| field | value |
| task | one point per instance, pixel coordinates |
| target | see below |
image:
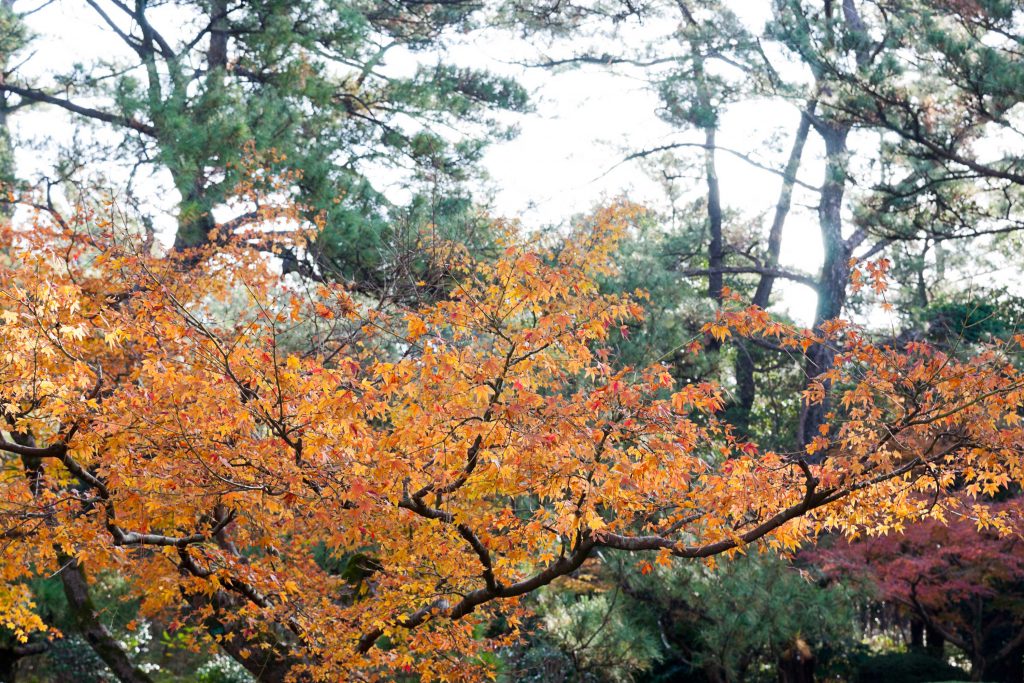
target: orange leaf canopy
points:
(233, 442)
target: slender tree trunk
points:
(796, 664)
(746, 385)
(935, 643)
(265, 656)
(1006, 664)
(76, 589)
(977, 668)
(196, 221)
(979, 661)
(715, 244)
(217, 57)
(762, 295)
(922, 286)
(916, 635)
(835, 274)
(746, 389)
(7, 167)
(6, 161)
(714, 674)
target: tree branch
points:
(45, 98)
(755, 270)
(560, 567)
(700, 145)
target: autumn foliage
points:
(234, 442)
(963, 584)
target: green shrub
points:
(904, 667)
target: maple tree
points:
(962, 584)
(328, 486)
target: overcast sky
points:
(568, 155)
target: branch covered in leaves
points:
(237, 455)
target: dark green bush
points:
(904, 667)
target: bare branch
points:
(42, 97)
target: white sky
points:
(567, 157)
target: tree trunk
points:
(746, 385)
(12, 654)
(977, 668)
(916, 635)
(796, 664)
(715, 247)
(714, 674)
(835, 273)
(7, 167)
(195, 220)
(217, 57)
(762, 295)
(265, 656)
(746, 390)
(934, 642)
(8, 665)
(76, 589)
(1013, 669)
(267, 665)
(6, 161)
(1007, 665)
